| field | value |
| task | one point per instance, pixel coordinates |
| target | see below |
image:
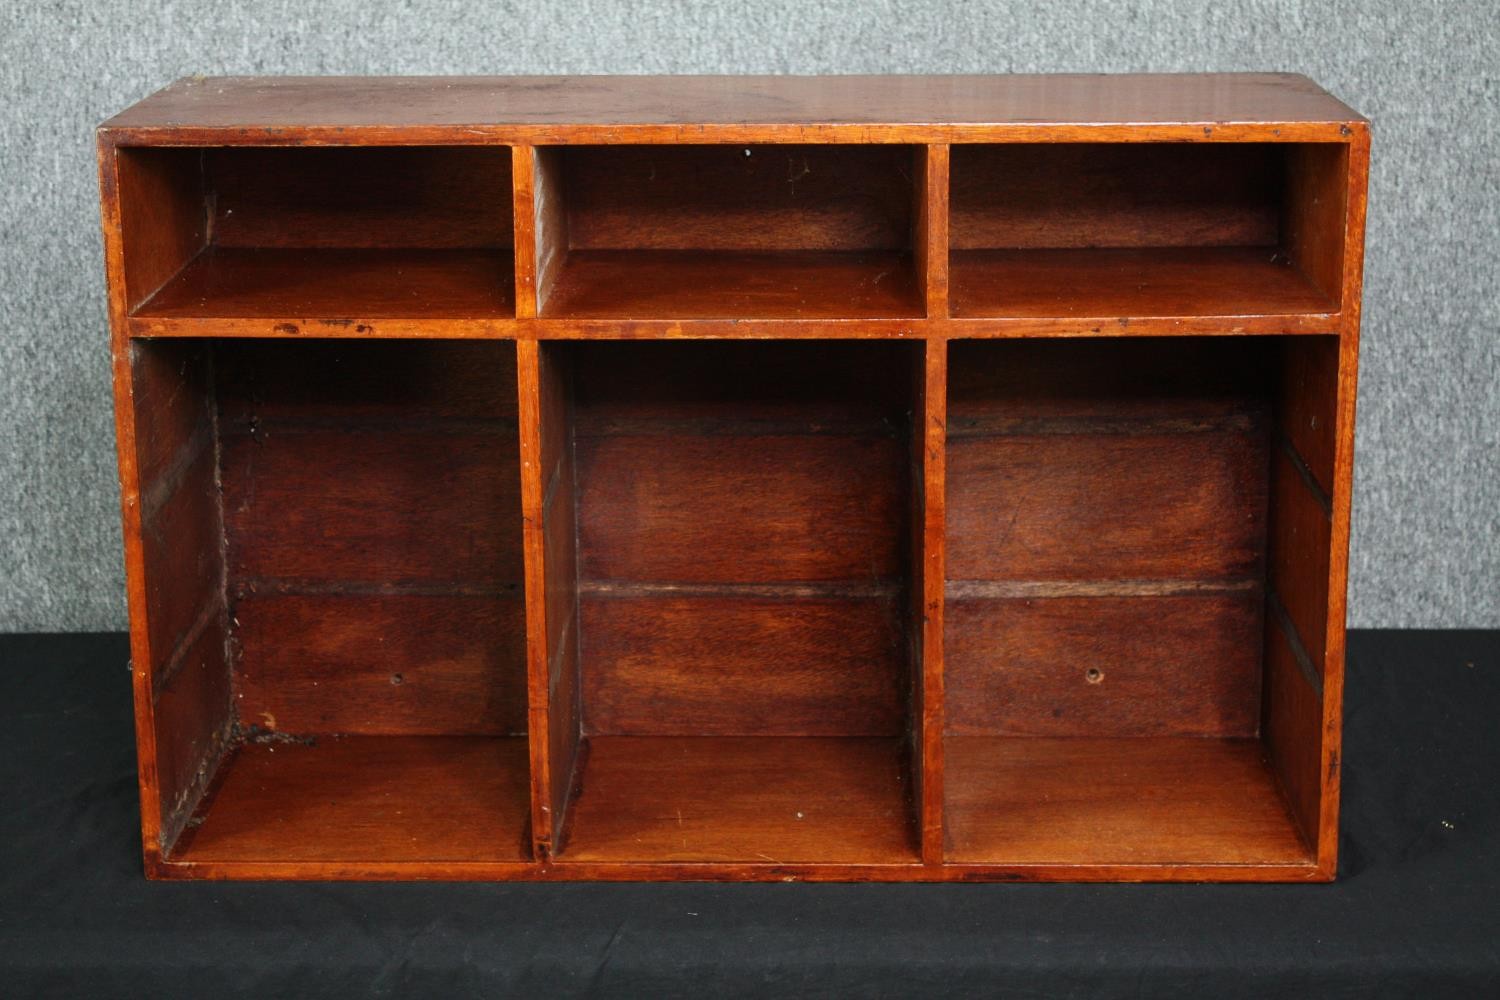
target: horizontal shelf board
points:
(749, 799)
(720, 284)
(332, 293)
(367, 799)
(1132, 801)
(1249, 289)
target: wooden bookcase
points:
(737, 478)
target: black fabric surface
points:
(1416, 911)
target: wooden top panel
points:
(731, 108)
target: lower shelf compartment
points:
(1033, 800)
(759, 799)
(366, 799)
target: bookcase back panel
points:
(742, 514)
(717, 666)
(431, 197)
(739, 197)
(372, 512)
(1115, 195)
(1092, 666)
(1107, 511)
(381, 663)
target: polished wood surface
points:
(350, 799)
(696, 799)
(727, 108)
(767, 478)
(1116, 801)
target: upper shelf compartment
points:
(402, 241)
(718, 232)
(1149, 237)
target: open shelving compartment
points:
(277, 241)
(333, 584)
(1107, 234)
(728, 540)
(1137, 592)
(730, 232)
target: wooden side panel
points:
(412, 196)
(183, 540)
(1105, 666)
(182, 549)
(550, 221)
(715, 666)
(1299, 555)
(1292, 722)
(1307, 406)
(735, 197)
(194, 720)
(1031, 195)
(163, 216)
(1313, 217)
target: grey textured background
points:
(1426, 549)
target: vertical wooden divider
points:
(930, 490)
(533, 544)
(1343, 480)
(549, 522)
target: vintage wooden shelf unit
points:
(737, 478)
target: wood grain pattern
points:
(1045, 195)
(787, 508)
(1126, 507)
(1299, 552)
(744, 667)
(162, 218)
(381, 665)
(372, 386)
(449, 197)
(193, 724)
(347, 800)
(1108, 290)
(755, 799)
(182, 541)
(317, 293)
(1307, 404)
(1193, 107)
(1292, 721)
(691, 285)
(928, 561)
(1105, 666)
(739, 197)
(397, 507)
(1314, 212)
(1117, 802)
